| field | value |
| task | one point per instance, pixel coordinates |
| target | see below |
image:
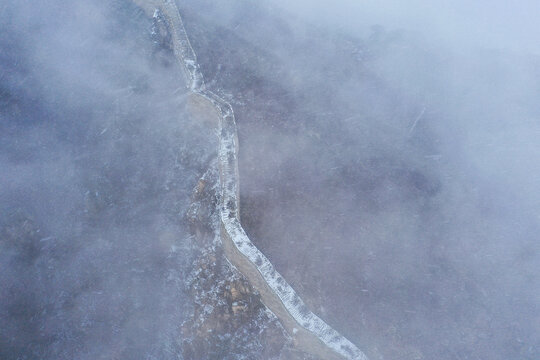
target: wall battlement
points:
(310, 333)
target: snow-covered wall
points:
(310, 332)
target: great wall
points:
(310, 333)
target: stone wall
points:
(310, 333)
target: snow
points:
(227, 158)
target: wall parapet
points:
(310, 332)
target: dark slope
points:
(356, 181)
(97, 165)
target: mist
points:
(388, 164)
(489, 24)
(388, 169)
(98, 161)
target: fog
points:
(388, 169)
(98, 160)
(388, 164)
(495, 24)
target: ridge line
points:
(231, 227)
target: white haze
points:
(389, 165)
(497, 24)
